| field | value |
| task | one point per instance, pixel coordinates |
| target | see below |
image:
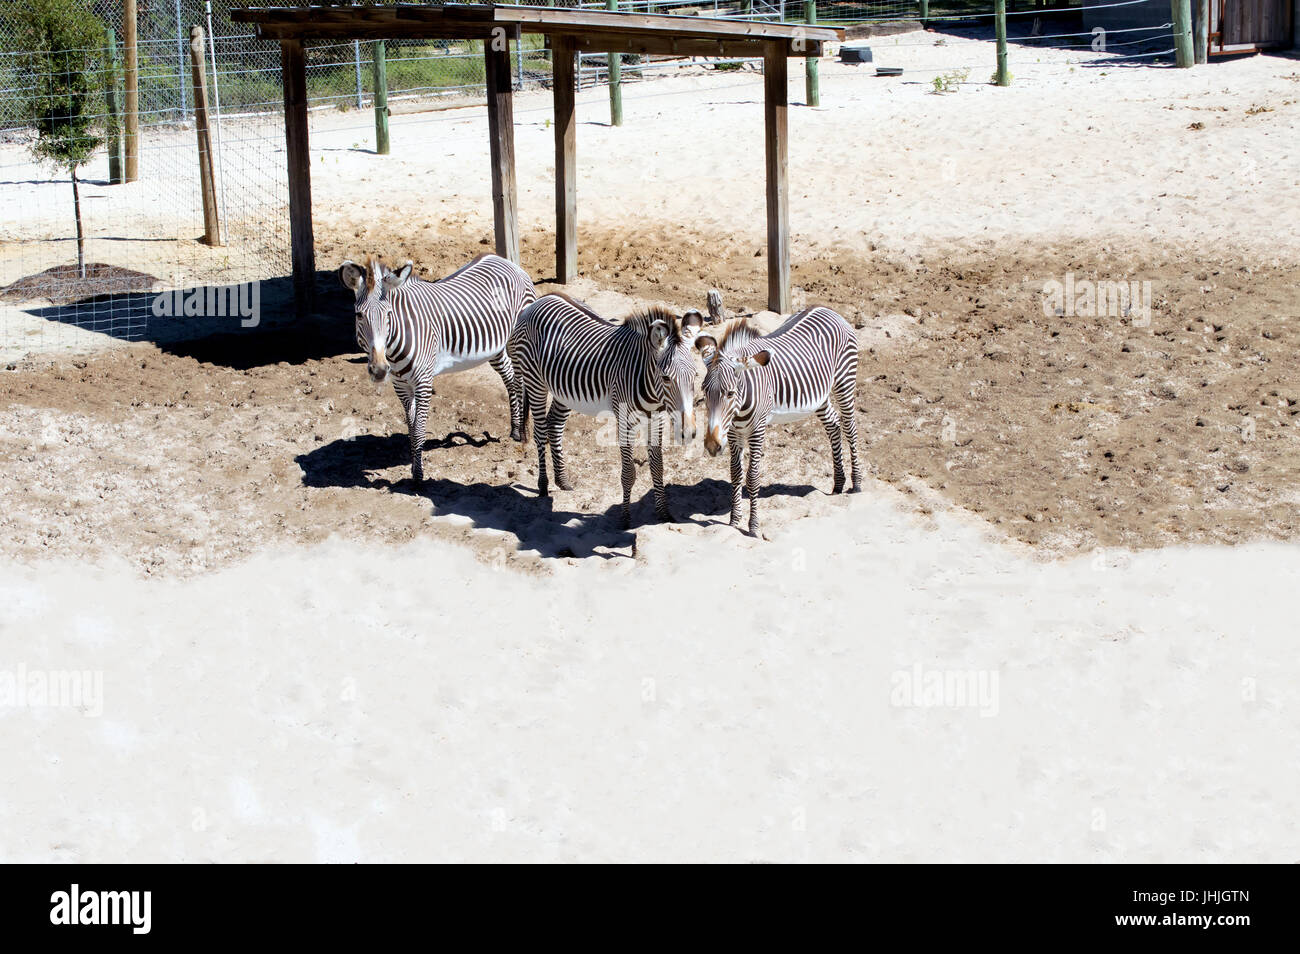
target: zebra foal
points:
(642, 369)
(413, 330)
(809, 365)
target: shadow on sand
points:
(539, 524)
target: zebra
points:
(638, 370)
(414, 330)
(809, 365)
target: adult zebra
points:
(642, 369)
(809, 365)
(414, 330)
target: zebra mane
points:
(374, 266)
(641, 320)
(735, 334)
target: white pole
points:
(216, 103)
(356, 58)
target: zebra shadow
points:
(541, 524)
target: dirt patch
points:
(1062, 431)
(64, 284)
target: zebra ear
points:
(659, 332)
(756, 360)
(352, 276)
(395, 280)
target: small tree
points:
(64, 43)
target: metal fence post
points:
(811, 65)
(1001, 77)
(116, 158)
(615, 61)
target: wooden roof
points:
(591, 29)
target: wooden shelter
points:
(567, 32)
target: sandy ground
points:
(305, 657)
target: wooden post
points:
(615, 62)
(1202, 37)
(812, 66)
(114, 105)
(1001, 77)
(381, 98)
(775, 107)
(207, 182)
(293, 68)
(501, 136)
(1182, 16)
(566, 167)
(132, 126)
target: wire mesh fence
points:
(98, 256)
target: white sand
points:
(722, 699)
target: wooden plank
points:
(293, 68)
(563, 59)
(453, 20)
(775, 109)
(648, 45)
(578, 22)
(501, 137)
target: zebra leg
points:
(556, 418)
(831, 421)
(737, 478)
(849, 425)
(503, 366)
(655, 451)
(417, 417)
(755, 460)
(537, 403)
(625, 435)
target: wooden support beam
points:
(380, 69)
(563, 57)
(131, 134)
(775, 109)
(293, 68)
(501, 136)
(207, 181)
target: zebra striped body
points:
(807, 366)
(641, 370)
(414, 330)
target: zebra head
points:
(373, 285)
(724, 375)
(670, 339)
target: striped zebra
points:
(414, 330)
(809, 365)
(640, 370)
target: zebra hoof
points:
(856, 488)
(563, 484)
(837, 488)
(665, 516)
